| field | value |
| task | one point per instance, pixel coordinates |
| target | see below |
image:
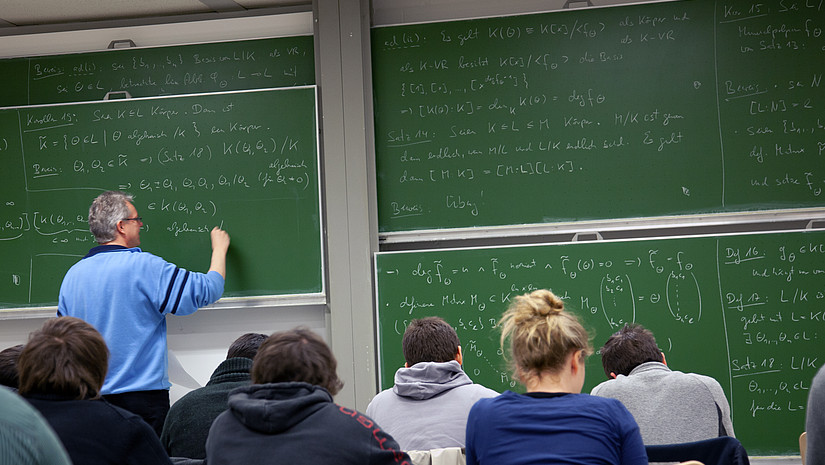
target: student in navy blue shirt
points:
(553, 422)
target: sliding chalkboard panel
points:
(154, 71)
(192, 162)
(745, 309)
(671, 108)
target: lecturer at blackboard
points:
(126, 293)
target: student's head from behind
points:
(542, 335)
(246, 346)
(8, 366)
(430, 339)
(66, 356)
(628, 348)
(297, 355)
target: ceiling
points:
(27, 14)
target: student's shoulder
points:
(608, 405)
(476, 391)
(609, 387)
(505, 400)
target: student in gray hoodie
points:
(428, 406)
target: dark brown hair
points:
(628, 348)
(8, 366)
(66, 356)
(296, 355)
(542, 334)
(429, 339)
(246, 345)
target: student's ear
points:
(663, 358)
(612, 375)
(406, 365)
(577, 361)
(459, 357)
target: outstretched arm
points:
(220, 244)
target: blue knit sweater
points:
(125, 294)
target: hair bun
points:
(545, 303)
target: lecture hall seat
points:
(445, 456)
(723, 450)
(803, 445)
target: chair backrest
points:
(186, 461)
(723, 450)
(803, 445)
(445, 456)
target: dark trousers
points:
(152, 406)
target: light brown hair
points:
(66, 356)
(296, 355)
(541, 333)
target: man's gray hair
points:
(106, 210)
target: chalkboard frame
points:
(643, 224)
(225, 303)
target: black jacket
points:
(293, 423)
(189, 419)
(96, 432)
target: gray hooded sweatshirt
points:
(428, 406)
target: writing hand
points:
(220, 239)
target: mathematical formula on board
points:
(192, 163)
(155, 71)
(746, 309)
(685, 107)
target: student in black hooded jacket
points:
(288, 415)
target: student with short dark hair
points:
(628, 348)
(552, 422)
(429, 339)
(288, 415)
(9, 376)
(669, 406)
(187, 424)
(427, 407)
(62, 369)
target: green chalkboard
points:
(246, 161)
(154, 71)
(669, 108)
(745, 309)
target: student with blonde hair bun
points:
(552, 422)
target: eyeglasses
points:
(137, 218)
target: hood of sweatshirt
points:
(425, 380)
(274, 408)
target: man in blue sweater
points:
(126, 293)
